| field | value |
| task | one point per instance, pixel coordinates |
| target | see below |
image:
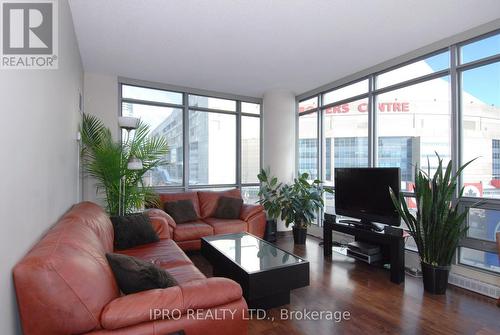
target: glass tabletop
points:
(251, 253)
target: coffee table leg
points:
(270, 301)
(327, 238)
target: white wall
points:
(40, 114)
(279, 120)
(101, 100)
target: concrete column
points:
(101, 100)
(279, 136)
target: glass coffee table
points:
(265, 272)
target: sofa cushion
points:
(226, 226)
(228, 208)
(248, 210)
(161, 226)
(197, 294)
(193, 196)
(133, 230)
(52, 280)
(190, 245)
(164, 253)
(156, 212)
(181, 210)
(134, 275)
(208, 200)
(192, 231)
(186, 273)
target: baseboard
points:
(474, 285)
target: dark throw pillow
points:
(181, 211)
(134, 275)
(228, 208)
(133, 230)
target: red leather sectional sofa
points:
(187, 235)
(64, 284)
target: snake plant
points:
(438, 224)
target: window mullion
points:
(372, 124)
(456, 116)
(238, 144)
(185, 139)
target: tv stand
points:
(392, 245)
(363, 224)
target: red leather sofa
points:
(187, 235)
(64, 285)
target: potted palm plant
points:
(300, 203)
(106, 160)
(438, 224)
(268, 194)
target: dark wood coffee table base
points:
(270, 301)
(262, 289)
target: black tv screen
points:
(363, 193)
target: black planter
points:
(270, 233)
(435, 278)
(299, 235)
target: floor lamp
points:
(127, 123)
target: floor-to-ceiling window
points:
(308, 158)
(479, 93)
(414, 123)
(214, 142)
(446, 102)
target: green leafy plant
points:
(300, 201)
(106, 160)
(269, 193)
(438, 225)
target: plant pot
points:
(435, 278)
(299, 235)
(270, 233)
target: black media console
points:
(392, 244)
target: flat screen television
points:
(363, 193)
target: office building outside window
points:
(217, 154)
(345, 128)
(446, 102)
(495, 157)
(308, 144)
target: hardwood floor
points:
(376, 305)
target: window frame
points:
(319, 133)
(454, 71)
(185, 126)
(472, 242)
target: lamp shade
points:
(128, 122)
(134, 164)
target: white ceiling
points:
(250, 46)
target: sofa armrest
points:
(161, 213)
(256, 224)
(139, 307)
(161, 227)
(247, 211)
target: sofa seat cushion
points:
(164, 253)
(186, 273)
(192, 231)
(226, 226)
